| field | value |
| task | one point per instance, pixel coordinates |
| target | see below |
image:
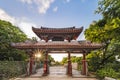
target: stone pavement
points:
(57, 73)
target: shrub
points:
(79, 67)
(107, 71)
(12, 68)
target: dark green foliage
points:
(12, 68)
(74, 59)
(109, 8)
(109, 70)
(105, 31)
(51, 59)
(93, 61)
(8, 35)
(64, 60)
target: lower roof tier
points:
(77, 46)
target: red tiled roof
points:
(57, 45)
(66, 33)
(57, 30)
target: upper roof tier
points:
(57, 34)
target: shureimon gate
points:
(57, 40)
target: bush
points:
(79, 67)
(93, 61)
(107, 71)
(12, 68)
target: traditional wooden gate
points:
(58, 40)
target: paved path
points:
(57, 73)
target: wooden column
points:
(69, 72)
(45, 66)
(30, 65)
(84, 65)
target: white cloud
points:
(55, 9)
(26, 26)
(43, 5)
(22, 23)
(6, 17)
(27, 1)
(67, 1)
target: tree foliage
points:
(105, 31)
(51, 59)
(74, 59)
(109, 8)
(9, 34)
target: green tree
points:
(64, 60)
(9, 34)
(106, 31)
(109, 8)
(74, 59)
(51, 59)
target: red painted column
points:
(69, 65)
(84, 65)
(30, 65)
(45, 66)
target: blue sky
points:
(49, 13)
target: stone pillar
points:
(69, 70)
(84, 65)
(45, 66)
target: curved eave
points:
(57, 30)
(57, 46)
(74, 32)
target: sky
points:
(49, 13)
